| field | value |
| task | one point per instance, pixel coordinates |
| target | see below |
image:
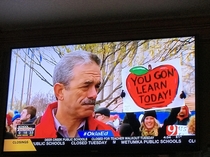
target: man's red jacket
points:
(46, 128)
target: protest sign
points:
(152, 86)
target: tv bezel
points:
(82, 37)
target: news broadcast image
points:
(146, 96)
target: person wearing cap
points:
(76, 82)
(16, 118)
(103, 115)
(15, 121)
(149, 124)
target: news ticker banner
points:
(25, 130)
(176, 134)
(21, 145)
(171, 130)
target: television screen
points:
(140, 95)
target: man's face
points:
(182, 112)
(24, 115)
(78, 99)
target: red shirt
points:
(46, 128)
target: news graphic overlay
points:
(25, 130)
(174, 130)
(101, 133)
(18, 145)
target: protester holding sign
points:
(183, 116)
(150, 125)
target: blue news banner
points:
(106, 138)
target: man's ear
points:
(28, 116)
(58, 90)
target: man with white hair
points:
(76, 81)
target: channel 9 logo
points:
(173, 130)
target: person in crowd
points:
(149, 124)
(125, 130)
(8, 126)
(183, 116)
(76, 82)
(191, 125)
(178, 116)
(9, 116)
(15, 121)
(103, 115)
(28, 115)
(8, 129)
(116, 120)
(130, 125)
(8, 135)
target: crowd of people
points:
(76, 87)
(148, 124)
(26, 116)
